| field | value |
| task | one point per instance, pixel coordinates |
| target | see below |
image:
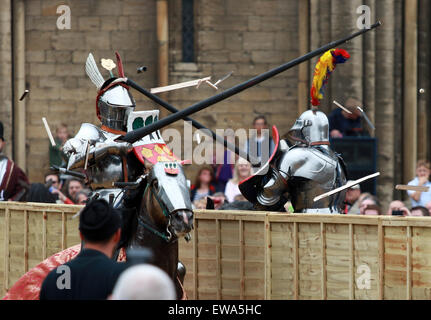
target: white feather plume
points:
(93, 71)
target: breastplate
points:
(311, 173)
(105, 172)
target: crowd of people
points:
(418, 204)
(56, 188)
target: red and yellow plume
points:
(324, 67)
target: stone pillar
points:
(6, 74)
(369, 67)
(346, 81)
(384, 87)
(320, 34)
(19, 107)
(410, 114)
(423, 78)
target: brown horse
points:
(165, 216)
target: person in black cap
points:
(91, 275)
(12, 179)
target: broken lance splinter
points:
(195, 124)
(137, 134)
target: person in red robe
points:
(12, 179)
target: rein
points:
(168, 236)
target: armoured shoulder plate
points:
(308, 163)
(91, 132)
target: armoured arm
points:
(101, 144)
(273, 189)
(76, 151)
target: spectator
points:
(224, 171)
(343, 124)
(144, 282)
(53, 179)
(55, 153)
(243, 170)
(239, 197)
(428, 206)
(352, 199)
(371, 210)
(258, 144)
(420, 212)
(12, 178)
(219, 199)
(397, 205)
(72, 187)
(52, 182)
(200, 204)
(368, 203)
(422, 175)
(39, 193)
(81, 197)
(92, 273)
(204, 184)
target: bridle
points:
(168, 236)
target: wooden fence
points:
(239, 255)
(255, 255)
(30, 233)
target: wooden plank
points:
(6, 250)
(241, 259)
(351, 263)
(268, 267)
(412, 188)
(323, 266)
(409, 263)
(295, 261)
(63, 231)
(44, 234)
(25, 240)
(36, 206)
(381, 250)
(195, 260)
(218, 271)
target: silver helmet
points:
(114, 105)
(114, 102)
(311, 128)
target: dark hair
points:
(52, 174)
(99, 221)
(260, 117)
(197, 184)
(39, 193)
(424, 210)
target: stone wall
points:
(59, 87)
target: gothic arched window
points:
(188, 31)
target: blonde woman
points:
(242, 171)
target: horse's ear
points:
(185, 162)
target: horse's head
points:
(167, 187)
